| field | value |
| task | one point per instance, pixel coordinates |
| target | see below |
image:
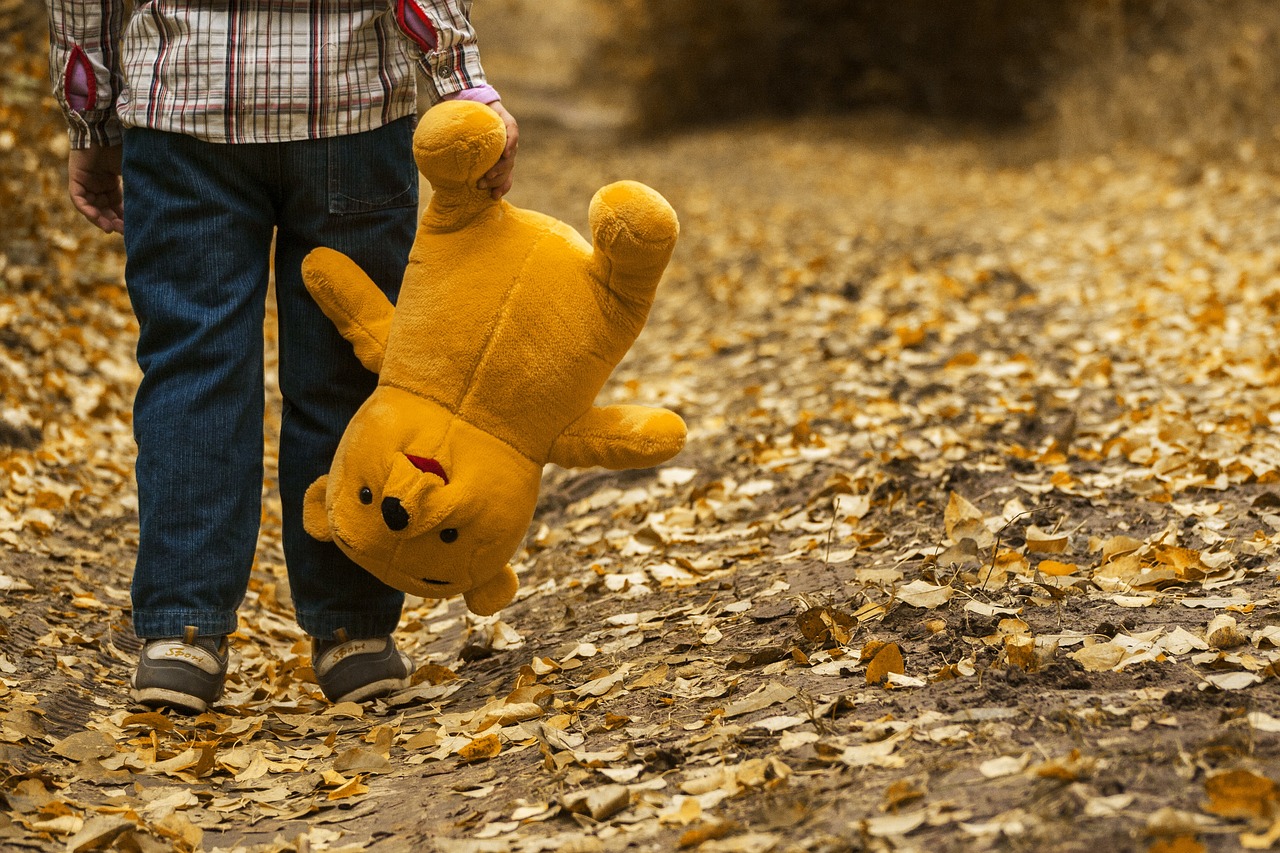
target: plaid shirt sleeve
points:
(84, 37)
(257, 70)
(442, 33)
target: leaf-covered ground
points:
(974, 545)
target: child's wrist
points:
(485, 94)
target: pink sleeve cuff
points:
(480, 94)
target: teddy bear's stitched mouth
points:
(433, 581)
(428, 466)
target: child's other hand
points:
(93, 179)
(498, 180)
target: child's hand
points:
(93, 179)
(498, 180)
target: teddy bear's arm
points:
(619, 437)
(349, 298)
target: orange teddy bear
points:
(507, 326)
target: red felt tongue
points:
(428, 466)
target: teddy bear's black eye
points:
(366, 495)
(448, 535)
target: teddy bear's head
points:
(430, 505)
(507, 326)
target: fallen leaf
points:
(481, 749)
(1241, 794)
(921, 593)
(885, 658)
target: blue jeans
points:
(199, 222)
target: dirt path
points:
(973, 547)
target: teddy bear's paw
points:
(633, 226)
(456, 142)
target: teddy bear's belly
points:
(522, 360)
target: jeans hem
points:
(159, 624)
(359, 626)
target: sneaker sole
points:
(373, 690)
(157, 697)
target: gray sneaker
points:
(357, 670)
(185, 673)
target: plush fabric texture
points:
(507, 326)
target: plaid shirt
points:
(256, 70)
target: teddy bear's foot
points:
(634, 231)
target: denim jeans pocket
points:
(373, 170)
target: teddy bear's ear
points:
(315, 517)
(490, 597)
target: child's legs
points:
(356, 194)
(197, 237)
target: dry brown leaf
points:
(1070, 768)
(1223, 632)
(1045, 541)
(1241, 794)
(963, 520)
(698, 835)
(85, 745)
(1053, 568)
(598, 803)
(1020, 650)
(922, 594)
(900, 792)
(481, 749)
(1177, 844)
(352, 787)
(885, 658)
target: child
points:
(202, 134)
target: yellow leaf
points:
(1261, 840)
(1069, 769)
(706, 832)
(900, 792)
(887, 658)
(1224, 633)
(1240, 794)
(961, 517)
(652, 678)
(433, 674)
(353, 788)
(481, 749)
(1119, 545)
(686, 812)
(1099, 657)
(1021, 652)
(1045, 542)
(1178, 844)
(1053, 568)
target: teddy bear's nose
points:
(394, 514)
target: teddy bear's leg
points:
(349, 298)
(315, 516)
(488, 598)
(620, 437)
(634, 231)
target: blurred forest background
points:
(1195, 78)
(1191, 77)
